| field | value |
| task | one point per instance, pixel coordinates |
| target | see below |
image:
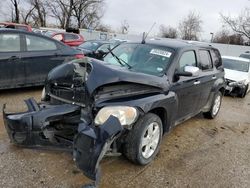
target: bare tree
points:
(40, 11)
(61, 10)
(35, 12)
(124, 27)
(16, 15)
(88, 13)
(225, 37)
(190, 27)
(239, 24)
(104, 28)
(168, 32)
(81, 13)
(26, 15)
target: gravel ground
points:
(197, 153)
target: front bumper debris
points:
(91, 143)
(234, 88)
(34, 128)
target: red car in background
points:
(16, 26)
(70, 39)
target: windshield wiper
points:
(120, 61)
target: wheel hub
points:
(150, 140)
(216, 106)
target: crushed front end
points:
(235, 88)
(64, 120)
(87, 107)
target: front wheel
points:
(143, 141)
(215, 108)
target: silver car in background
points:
(237, 75)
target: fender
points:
(219, 85)
(168, 102)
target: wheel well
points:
(162, 113)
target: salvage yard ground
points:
(197, 153)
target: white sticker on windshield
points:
(160, 52)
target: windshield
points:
(236, 65)
(145, 58)
(89, 45)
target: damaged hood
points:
(235, 75)
(94, 73)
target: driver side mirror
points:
(189, 71)
(194, 71)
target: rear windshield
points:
(236, 65)
(22, 27)
(70, 36)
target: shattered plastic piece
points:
(96, 142)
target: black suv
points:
(124, 103)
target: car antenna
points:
(145, 35)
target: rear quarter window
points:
(205, 60)
(216, 57)
(35, 43)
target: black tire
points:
(243, 94)
(133, 144)
(211, 114)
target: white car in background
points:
(237, 75)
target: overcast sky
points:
(141, 14)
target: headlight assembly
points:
(126, 115)
(43, 96)
(241, 82)
(238, 83)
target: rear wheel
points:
(143, 141)
(215, 108)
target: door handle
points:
(197, 82)
(214, 77)
(14, 58)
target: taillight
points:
(79, 56)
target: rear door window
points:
(10, 43)
(35, 43)
(205, 60)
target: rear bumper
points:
(89, 143)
